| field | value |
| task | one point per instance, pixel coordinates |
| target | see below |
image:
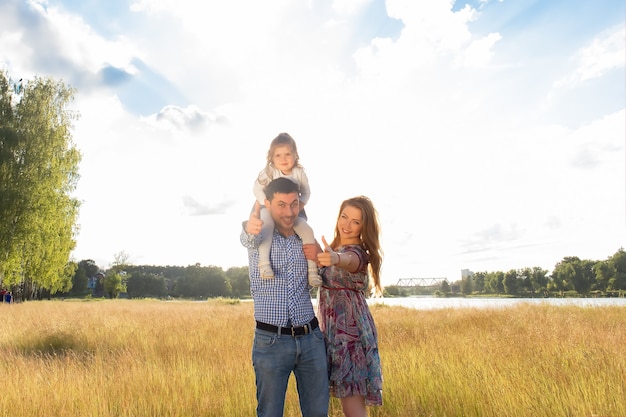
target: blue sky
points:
(489, 134)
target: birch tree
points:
(38, 172)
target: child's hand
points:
(329, 257)
(254, 223)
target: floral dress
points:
(351, 336)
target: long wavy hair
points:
(370, 237)
(283, 139)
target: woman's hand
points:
(329, 257)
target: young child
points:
(282, 161)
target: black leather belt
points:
(291, 331)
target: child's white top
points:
(297, 174)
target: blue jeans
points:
(274, 358)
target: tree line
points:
(153, 281)
(571, 276)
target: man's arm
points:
(251, 228)
(247, 240)
(311, 250)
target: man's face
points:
(284, 209)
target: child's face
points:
(284, 159)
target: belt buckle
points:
(306, 328)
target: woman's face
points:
(283, 159)
(349, 225)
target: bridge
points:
(420, 282)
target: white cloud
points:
(47, 40)
(434, 35)
(434, 23)
(479, 52)
(189, 118)
(604, 53)
(348, 7)
(601, 143)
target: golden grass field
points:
(180, 359)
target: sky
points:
(489, 134)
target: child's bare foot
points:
(314, 279)
(265, 269)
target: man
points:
(287, 337)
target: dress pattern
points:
(350, 332)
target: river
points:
(429, 303)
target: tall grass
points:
(181, 359)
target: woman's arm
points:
(348, 260)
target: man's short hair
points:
(281, 185)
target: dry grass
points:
(522, 361)
(180, 359)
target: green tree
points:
(80, 281)
(190, 285)
(510, 283)
(618, 263)
(564, 273)
(114, 283)
(445, 287)
(558, 283)
(479, 281)
(467, 285)
(394, 291)
(239, 279)
(494, 282)
(38, 172)
(146, 285)
(90, 267)
(524, 280)
(579, 274)
(539, 279)
(534, 279)
(203, 282)
(605, 272)
(86, 269)
(120, 261)
(219, 283)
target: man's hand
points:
(254, 223)
(311, 250)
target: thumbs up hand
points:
(254, 224)
(329, 257)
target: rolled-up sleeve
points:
(247, 240)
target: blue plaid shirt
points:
(283, 300)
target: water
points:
(429, 303)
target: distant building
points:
(92, 282)
(466, 273)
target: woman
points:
(345, 319)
